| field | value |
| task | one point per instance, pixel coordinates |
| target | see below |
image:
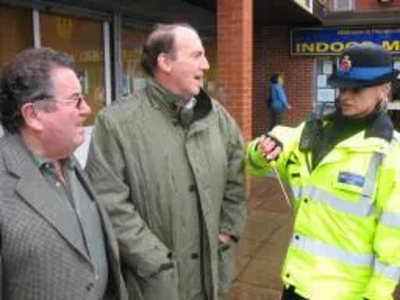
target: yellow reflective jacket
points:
(346, 236)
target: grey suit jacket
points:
(42, 257)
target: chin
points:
(346, 112)
(196, 91)
(79, 141)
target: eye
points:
(198, 54)
(78, 99)
(351, 90)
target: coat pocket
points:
(132, 284)
(225, 269)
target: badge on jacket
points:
(351, 179)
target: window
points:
(133, 77)
(343, 5)
(394, 104)
(83, 39)
(396, 84)
(325, 95)
(17, 36)
(210, 80)
(16, 32)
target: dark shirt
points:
(339, 128)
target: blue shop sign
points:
(332, 41)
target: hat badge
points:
(345, 64)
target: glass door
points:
(87, 41)
(83, 39)
(17, 36)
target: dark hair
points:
(160, 40)
(27, 79)
(274, 78)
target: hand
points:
(268, 148)
(224, 238)
(289, 107)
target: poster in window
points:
(397, 67)
(327, 67)
(322, 81)
(325, 95)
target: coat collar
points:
(376, 135)
(171, 103)
(381, 127)
(378, 125)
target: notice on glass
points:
(327, 67)
(326, 95)
(321, 80)
(397, 66)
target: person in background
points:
(344, 172)
(169, 165)
(56, 239)
(277, 100)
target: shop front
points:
(106, 46)
(325, 45)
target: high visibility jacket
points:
(346, 237)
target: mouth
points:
(80, 127)
(198, 78)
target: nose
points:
(205, 65)
(85, 109)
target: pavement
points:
(260, 253)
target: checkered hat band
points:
(363, 73)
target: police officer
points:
(345, 177)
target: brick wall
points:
(235, 42)
(374, 5)
(271, 55)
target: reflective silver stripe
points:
(297, 191)
(390, 272)
(373, 168)
(390, 219)
(362, 207)
(320, 249)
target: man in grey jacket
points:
(56, 241)
(168, 164)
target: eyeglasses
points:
(76, 99)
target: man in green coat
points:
(168, 164)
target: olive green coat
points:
(170, 189)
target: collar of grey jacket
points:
(197, 108)
(186, 113)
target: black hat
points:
(363, 65)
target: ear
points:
(31, 116)
(164, 62)
(384, 92)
